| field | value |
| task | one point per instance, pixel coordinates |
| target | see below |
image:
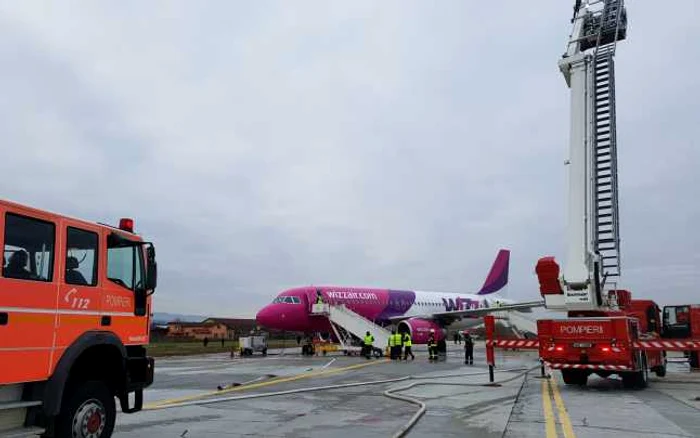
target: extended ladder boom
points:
(593, 239)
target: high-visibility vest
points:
(391, 340)
(406, 340)
(398, 339)
(369, 339)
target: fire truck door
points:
(125, 274)
(28, 286)
(79, 296)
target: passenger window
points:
(29, 248)
(124, 265)
(81, 257)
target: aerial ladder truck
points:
(606, 331)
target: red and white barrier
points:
(513, 343)
(667, 345)
(644, 345)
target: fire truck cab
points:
(75, 304)
(680, 323)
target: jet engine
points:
(420, 330)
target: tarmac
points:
(195, 397)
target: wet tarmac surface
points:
(525, 406)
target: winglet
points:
(498, 276)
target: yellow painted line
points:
(563, 414)
(306, 375)
(550, 425)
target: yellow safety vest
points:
(391, 340)
(397, 339)
(369, 339)
(407, 340)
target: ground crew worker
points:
(407, 346)
(468, 349)
(432, 353)
(392, 346)
(319, 297)
(398, 342)
(369, 339)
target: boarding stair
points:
(521, 324)
(345, 322)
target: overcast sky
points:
(264, 145)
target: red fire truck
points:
(606, 331)
(75, 304)
(605, 343)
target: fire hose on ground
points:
(390, 393)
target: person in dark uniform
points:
(468, 349)
(432, 348)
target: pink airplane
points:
(415, 312)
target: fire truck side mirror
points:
(151, 268)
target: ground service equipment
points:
(75, 304)
(253, 343)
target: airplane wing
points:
(451, 316)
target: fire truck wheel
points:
(643, 374)
(88, 412)
(637, 379)
(661, 369)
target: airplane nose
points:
(265, 317)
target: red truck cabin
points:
(682, 322)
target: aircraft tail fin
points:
(498, 275)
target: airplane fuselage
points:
(291, 309)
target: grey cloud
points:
(400, 144)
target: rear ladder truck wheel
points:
(87, 411)
(637, 379)
(575, 377)
(661, 369)
(643, 374)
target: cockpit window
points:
(286, 300)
